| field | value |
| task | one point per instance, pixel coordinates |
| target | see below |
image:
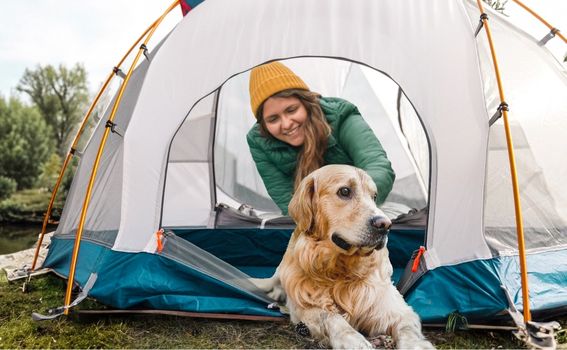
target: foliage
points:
(28, 206)
(7, 187)
(456, 321)
(497, 5)
(25, 142)
(61, 95)
(50, 172)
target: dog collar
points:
(341, 243)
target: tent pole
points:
(86, 201)
(74, 146)
(515, 187)
(552, 28)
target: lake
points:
(14, 238)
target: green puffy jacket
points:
(351, 142)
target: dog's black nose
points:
(381, 222)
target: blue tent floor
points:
(153, 281)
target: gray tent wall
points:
(103, 217)
(538, 126)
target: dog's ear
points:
(303, 205)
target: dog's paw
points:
(350, 340)
(272, 288)
(417, 344)
(278, 294)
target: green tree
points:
(61, 95)
(50, 172)
(25, 142)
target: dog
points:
(335, 276)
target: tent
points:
(177, 217)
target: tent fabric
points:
(477, 289)
(425, 85)
(537, 125)
(104, 207)
(313, 31)
(141, 281)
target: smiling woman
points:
(299, 131)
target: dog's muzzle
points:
(379, 228)
(376, 236)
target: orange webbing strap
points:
(515, 187)
(553, 30)
(417, 259)
(159, 239)
(94, 170)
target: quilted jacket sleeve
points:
(367, 153)
(278, 184)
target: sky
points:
(94, 33)
(98, 33)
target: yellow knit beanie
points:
(269, 79)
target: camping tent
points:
(169, 224)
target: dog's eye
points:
(374, 196)
(344, 192)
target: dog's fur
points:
(336, 274)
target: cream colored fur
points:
(341, 292)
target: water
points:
(14, 238)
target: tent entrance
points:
(210, 165)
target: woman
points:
(298, 131)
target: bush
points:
(50, 172)
(7, 187)
(25, 142)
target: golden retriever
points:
(335, 274)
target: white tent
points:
(420, 78)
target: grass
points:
(18, 330)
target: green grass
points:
(18, 330)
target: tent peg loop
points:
(110, 124)
(502, 107)
(548, 37)
(119, 72)
(145, 48)
(483, 17)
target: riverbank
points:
(17, 237)
(28, 207)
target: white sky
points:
(97, 33)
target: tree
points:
(61, 95)
(25, 142)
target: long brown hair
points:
(316, 129)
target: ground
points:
(18, 330)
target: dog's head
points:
(337, 203)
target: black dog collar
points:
(341, 243)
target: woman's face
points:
(284, 118)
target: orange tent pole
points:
(552, 28)
(86, 201)
(74, 146)
(515, 187)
